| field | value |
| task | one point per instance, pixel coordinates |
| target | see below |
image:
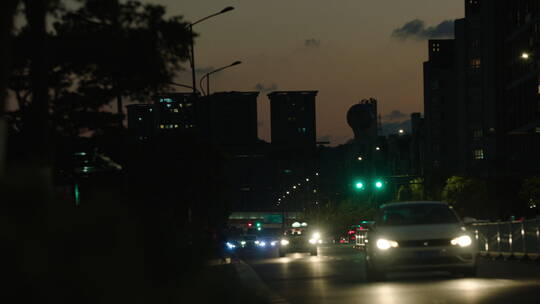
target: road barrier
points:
(513, 239)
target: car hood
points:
(420, 232)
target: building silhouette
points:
(293, 118)
(226, 118)
(481, 93)
(440, 112)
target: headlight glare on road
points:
(462, 241)
(284, 242)
(384, 244)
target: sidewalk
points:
(229, 281)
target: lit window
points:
(140, 118)
(150, 109)
(436, 47)
(175, 110)
(161, 126)
(175, 126)
(479, 154)
(476, 63)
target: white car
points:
(419, 236)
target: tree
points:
(7, 11)
(104, 50)
(413, 191)
(468, 195)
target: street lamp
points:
(525, 55)
(192, 46)
(207, 76)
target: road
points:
(337, 276)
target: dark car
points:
(299, 240)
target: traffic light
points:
(359, 185)
(259, 226)
(249, 224)
(379, 184)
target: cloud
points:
(394, 127)
(263, 88)
(312, 43)
(416, 29)
(395, 115)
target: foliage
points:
(414, 191)
(467, 194)
(102, 50)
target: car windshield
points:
(416, 214)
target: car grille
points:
(425, 243)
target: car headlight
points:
(243, 243)
(230, 245)
(262, 244)
(462, 241)
(273, 243)
(312, 241)
(284, 242)
(316, 235)
(384, 244)
(257, 242)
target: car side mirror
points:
(468, 220)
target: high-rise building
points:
(497, 82)
(293, 118)
(227, 118)
(489, 121)
(440, 109)
(173, 111)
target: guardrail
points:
(515, 239)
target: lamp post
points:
(192, 46)
(207, 76)
(182, 85)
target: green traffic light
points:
(258, 224)
(378, 184)
(359, 185)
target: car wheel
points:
(282, 253)
(314, 252)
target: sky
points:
(347, 50)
